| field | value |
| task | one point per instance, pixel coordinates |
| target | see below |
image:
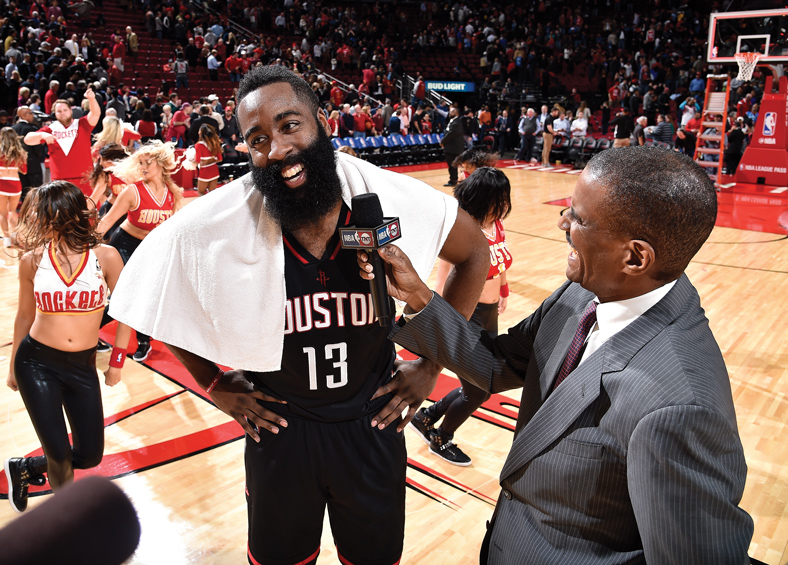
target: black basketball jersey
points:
(335, 353)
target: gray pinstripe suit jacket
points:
(635, 458)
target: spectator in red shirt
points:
(233, 64)
(613, 96)
(377, 120)
(221, 49)
(245, 62)
(52, 95)
(419, 92)
(337, 96)
(742, 107)
(362, 122)
(368, 76)
(118, 52)
(343, 54)
(179, 125)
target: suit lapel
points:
(553, 365)
(583, 386)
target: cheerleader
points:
(107, 186)
(485, 195)
(13, 161)
(208, 154)
(64, 276)
(472, 159)
(150, 199)
(113, 131)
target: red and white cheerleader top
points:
(150, 212)
(500, 258)
(84, 291)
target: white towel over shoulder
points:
(210, 279)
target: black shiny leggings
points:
(458, 405)
(126, 244)
(50, 380)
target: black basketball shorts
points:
(355, 470)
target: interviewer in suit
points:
(635, 457)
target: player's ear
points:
(323, 122)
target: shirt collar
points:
(612, 317)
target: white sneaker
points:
(7, 242)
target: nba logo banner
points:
(769, 123)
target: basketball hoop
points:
(747, 62)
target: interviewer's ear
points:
(641, 257)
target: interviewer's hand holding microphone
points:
(403, 282)
(413, 381)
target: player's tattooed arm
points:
(233, 394)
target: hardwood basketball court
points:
(181, 460)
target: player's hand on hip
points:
(401, 278)
(236, 396)
(412, 383)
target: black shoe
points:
(38, 480)
(422, 425)
(143, 350)
(103, 347)
(450, 184)
(18, 480)
(447, 450)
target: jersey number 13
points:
(332, 350)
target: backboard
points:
(764, 31)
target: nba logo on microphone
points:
(769, 123)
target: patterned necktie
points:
(587, 321)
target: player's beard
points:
(296, 207)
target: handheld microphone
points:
(89, 521)
(371, 231)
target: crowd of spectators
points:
(594, 57)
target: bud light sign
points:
(769, 123)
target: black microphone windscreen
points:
(89, 521)
(367, 212)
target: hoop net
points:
(747, 62)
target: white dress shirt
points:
(612, 317)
